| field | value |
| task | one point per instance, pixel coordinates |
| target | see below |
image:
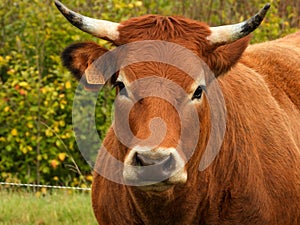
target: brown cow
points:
(255, 177)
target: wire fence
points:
(44, 186)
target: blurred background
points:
(37, 143)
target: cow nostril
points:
(136, 160)
(169, 164)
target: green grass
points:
(59, 207)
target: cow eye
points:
(120, 88)
(198, 92)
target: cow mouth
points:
(157, 187)
(177, 179)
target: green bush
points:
(37, 141)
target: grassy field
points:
(59, 207)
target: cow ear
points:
(221, 58)
(79, 57)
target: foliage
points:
(37, 141)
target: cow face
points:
(162, 116)
(157, 109)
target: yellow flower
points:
(48, 133)
(130, 5)
(11, 72)
(54, 163)
(14, 132)
(56, 128)
(39, 157)
(43, 90)
(83, 186)
(23, 149)
(62, 123)
(61, 156)
(138, 3)
(8, 57)
(6, 109)
(68, 85)
(23, 84)
(89, 177)
(44, 190)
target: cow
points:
(254, 175)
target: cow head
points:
(162, 115)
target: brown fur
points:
(255, 178)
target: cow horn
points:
(99, 28)
(230, 33)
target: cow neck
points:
(153, 208)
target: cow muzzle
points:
(154, 169)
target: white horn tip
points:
(99, 28)
(230, 33)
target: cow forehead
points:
(180, 30)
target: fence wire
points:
(44, 186)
